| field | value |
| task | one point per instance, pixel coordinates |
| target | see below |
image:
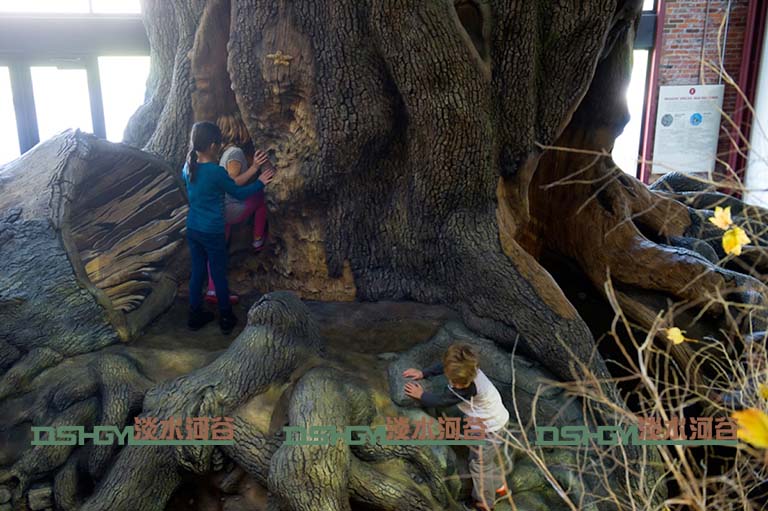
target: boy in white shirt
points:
(474, 394)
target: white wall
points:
(756, 177)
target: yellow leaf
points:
(762, 389)
(753, 426)
(722, 217)
(675, 335)
(734, 239)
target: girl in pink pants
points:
(253, 206)
(235, 136)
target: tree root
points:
(318, 477)
(655, 254)
(279, 336)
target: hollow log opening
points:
(125, 221)
(114, 217)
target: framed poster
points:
(687, 128)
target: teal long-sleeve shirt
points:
(206, 196)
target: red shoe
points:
(210, 297)
(501, 491)
(478, 506)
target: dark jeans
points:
(208, 248)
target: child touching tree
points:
(235, 138)
(207, 182)
(474, 394)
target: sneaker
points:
(502, 491)
(199, 318)
(227, 323)
(258, 244)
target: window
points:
(627, 146)
(123, 83)
(649, 5)
(57, 83)
(9, 137)
(61, 100)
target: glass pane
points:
(123, 83)
(61, 100)
(57, 6)
(9, 137)
(627, 147)
(117, 6)
(649, 5)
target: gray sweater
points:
(233, 153)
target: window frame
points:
(21, 48)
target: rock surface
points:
(40, 497)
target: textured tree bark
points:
(409, 202)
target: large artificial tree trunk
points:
(416, 150)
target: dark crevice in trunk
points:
(472, 19)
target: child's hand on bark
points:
(412, 373)
(267, 176)
(413, 390)
(260, 158)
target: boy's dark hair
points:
(204, 134)
(460, 364)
